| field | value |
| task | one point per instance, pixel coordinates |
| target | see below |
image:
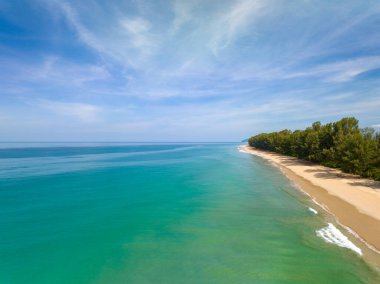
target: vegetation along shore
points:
(325, 161)
(340, 144)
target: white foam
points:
(313, 210)
(332, 235)
(242, 150)
(321, 205)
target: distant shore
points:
(354, 201)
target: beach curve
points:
(353, 201)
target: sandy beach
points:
(354, 201)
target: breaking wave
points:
(332, 235)
(313, 210)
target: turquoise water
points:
(190, 213)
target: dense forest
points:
(340, 144)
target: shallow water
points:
(189, 213)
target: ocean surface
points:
(162, 213)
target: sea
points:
(162, 213)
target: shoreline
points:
(353, 201)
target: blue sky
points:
(184, 70)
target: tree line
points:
(340, 144)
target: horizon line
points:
(120, 141)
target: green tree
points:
(341, 144)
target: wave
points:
(241, 150)
(313, 210)
(332, 235)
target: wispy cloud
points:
(138, 30)
(52, 71)
(341, 71)
(84, 112)
(339, 97)
(183, 13)
(234, 22)
(124, 40)
(73, 19)
(215, 69)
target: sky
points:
(186, 70)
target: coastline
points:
(353, 201)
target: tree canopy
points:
(340, 144)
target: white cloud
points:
(52, 70)
(338, 97)
(127, 40)
(84, 34)
(138, 30)
(136, 26)
(229, 25)
(56, 69)
(183, 13)
(84, 112)
(338, 72)
(347, 70)
(132, 40)
(214, 66)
